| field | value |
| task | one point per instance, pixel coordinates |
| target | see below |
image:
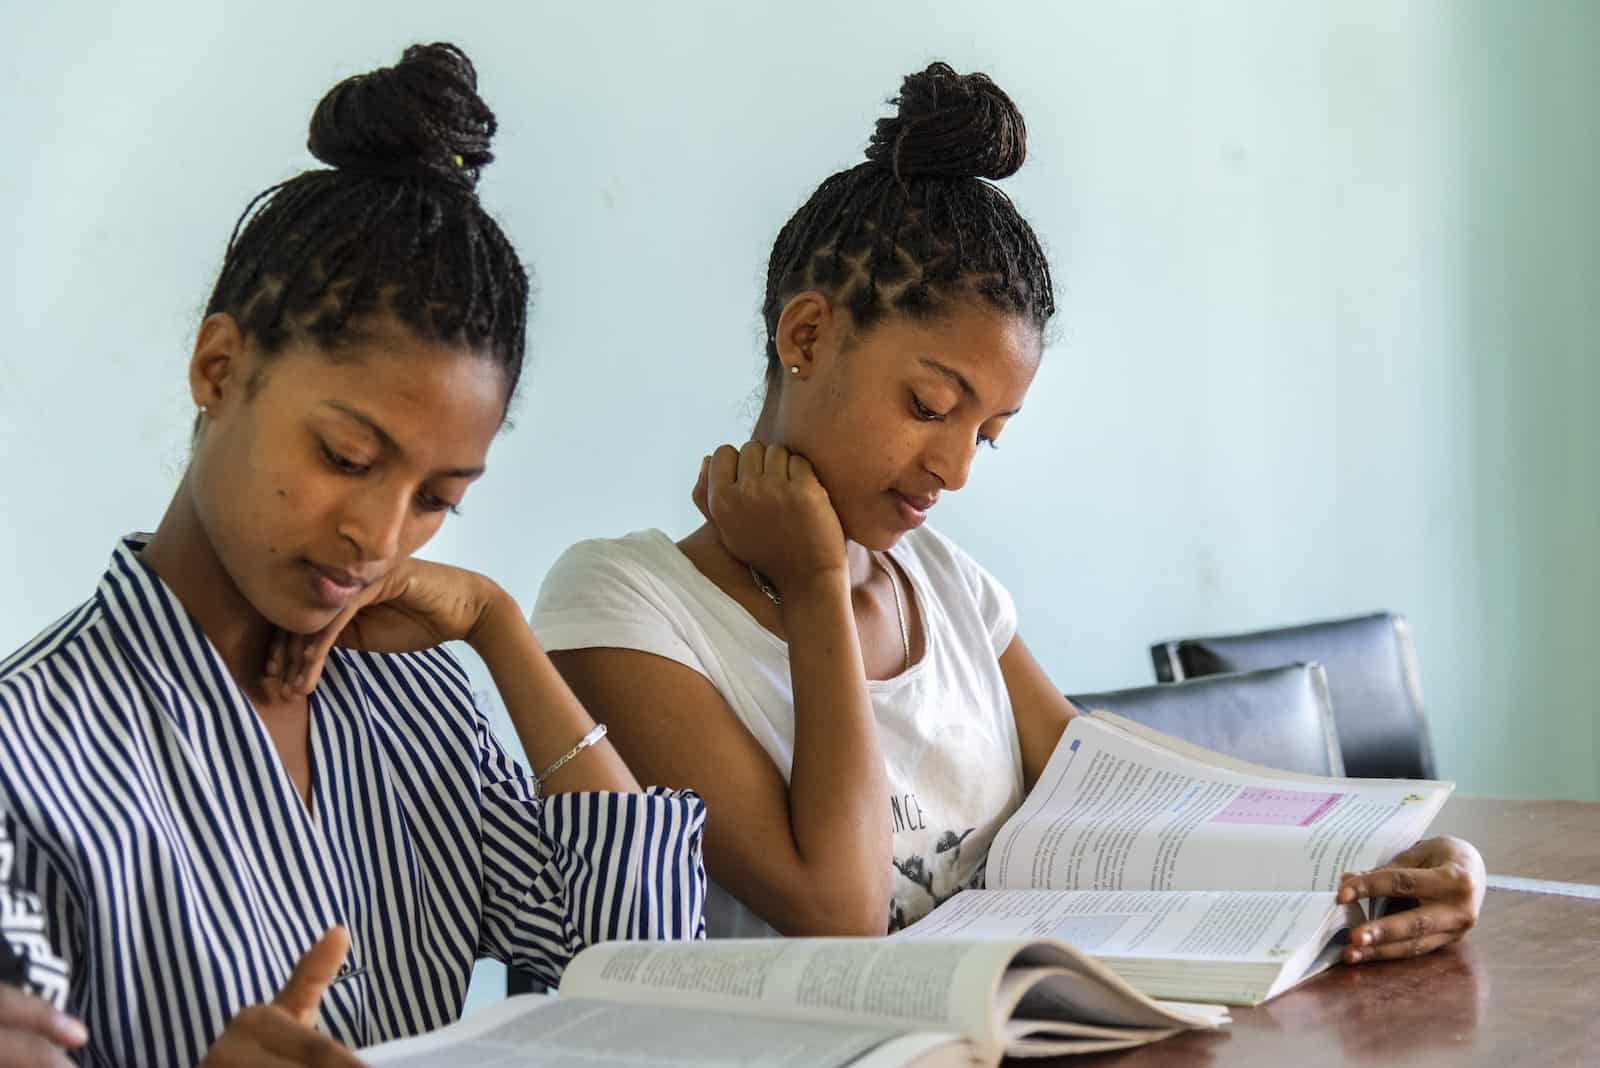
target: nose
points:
(949, 457)
(374, 519)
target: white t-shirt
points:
(945, 726)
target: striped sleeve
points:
(570, 870)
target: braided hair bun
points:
(421, 117)
(950, 125)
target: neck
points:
(182, 554)
(861, 565)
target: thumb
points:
(319, 645)
(317, 970)
(702, 495)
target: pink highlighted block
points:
(1277, 808)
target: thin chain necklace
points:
(765, 586)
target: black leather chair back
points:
(1372, 676)
(1279, 717)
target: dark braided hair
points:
(917, 228)
(396, 225)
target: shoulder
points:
(943, 561)
(607, 576)
(32, 671)
(962, 585)
(629, 560)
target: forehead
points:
(438, 400)
(997, 352)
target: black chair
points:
(1372, 675)
(521, 982)
(1279, 717)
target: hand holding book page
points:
(1122, 807)
(1232, 946)
(812, 1001)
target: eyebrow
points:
(959, 379)
(392, 445)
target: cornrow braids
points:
(395, 226)
(919, 226)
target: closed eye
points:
(923, 412)
(429, 503)
(341, 463)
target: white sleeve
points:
(595, 597)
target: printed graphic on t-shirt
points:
(932, 880)
(26, 957)
(931, 865)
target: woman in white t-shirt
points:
(845, 687)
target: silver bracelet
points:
(585, 742)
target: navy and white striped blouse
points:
(183, 877)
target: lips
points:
(332, 587)
(339, 577)
(913, 509)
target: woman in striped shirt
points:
(253, 797)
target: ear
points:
(807, 334)
(218, 369)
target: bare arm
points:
(548, 719)
(1042, 712)
(421, 604)
(811, 855)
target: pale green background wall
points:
(1328, 288)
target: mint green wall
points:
(1511, 445)
(1328, 285)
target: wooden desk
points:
(1522, 990)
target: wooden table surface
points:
(1522, 990)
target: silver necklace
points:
(766, 587)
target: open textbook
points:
(1139, 867)
(811, 1002)
(1190, 874)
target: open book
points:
(812, 1002)
(1139, 867)
(1190, 874)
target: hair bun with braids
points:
(950, 126)
(421, 118)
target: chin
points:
(290, 615)
(874, 536)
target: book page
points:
(1133, 809)
(1206, 925)
(937, 986)
(538, 1031)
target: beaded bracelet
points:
(585, 742)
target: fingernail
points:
(71, 1029)
(1355, 956)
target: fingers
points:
(25, 1049)
(701, 493)
(23, 1014)
(1412, 924)
(1410, 947)
(775, 461)
(752, 460)
(1445, 882)
(266, 1036)
(272, 675)
(800, 469)
(313, 975)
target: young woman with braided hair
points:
(248, 792)
(845, 687)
